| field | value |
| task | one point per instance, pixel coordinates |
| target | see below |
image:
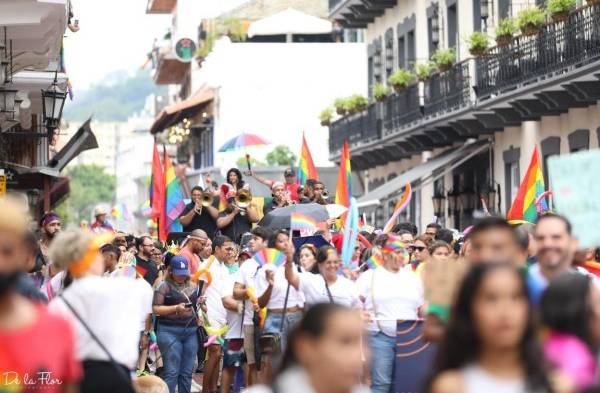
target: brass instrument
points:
(206, 199)
(325, 194)
(243, 198)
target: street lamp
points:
(452, 202)
(7, 99)
(53, 101)
(438, 203)
(467, 200)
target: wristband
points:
(440, 310)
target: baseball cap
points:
(99, 211)
(289, 172)
(179, 266)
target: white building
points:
(471, 130)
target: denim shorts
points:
(233, 353)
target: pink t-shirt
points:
(193, 260)
(572, 357)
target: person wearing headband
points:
(280, 198)
(49, 227)
(194, 245)
(93, 303)
(389, 292)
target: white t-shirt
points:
(280, 286)
(234, 319)
(112, 307)
(214, 303)
(246, 275)
(398, 296)
(343, 291)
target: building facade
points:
(463, 137)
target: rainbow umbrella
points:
(242, 141)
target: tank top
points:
(477, 380)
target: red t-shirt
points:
(293, 190)
(39, 358)
(193, 260)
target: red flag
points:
(343, 191)
(157, 196)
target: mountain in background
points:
(116, 97)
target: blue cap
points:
(180, 266)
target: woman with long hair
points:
(326, 286)
(389, 293)
(174, 304)
(570, 309)
(94, 303)
(308, 258)
(324, 354)
(235, 179)
(490, 343)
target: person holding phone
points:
(174, 302)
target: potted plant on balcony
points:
(357, 103)
(559, 9)
(380, 92)
(325, 116)
(505, 31)
(443, 59)
(400, 79)
(530, 21)
(341, 105)
(478, 43)
(423, 70)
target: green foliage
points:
(206, 45)
(342, 105)
(380, 92)
(559, 6)
(507, 27)
(112, 100)
(357, 103)
(89, 186)
(232, 27)
(326, 115)
(422, 70)
(531, 16)
(241, 163)
(444, 57)
(401, 78)
(281, 156)
(478, 42)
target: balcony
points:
(534, 76)
(358, 13)
(559, 48)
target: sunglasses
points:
(417, 248)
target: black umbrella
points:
(280, 217)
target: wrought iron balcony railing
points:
(401, 109)
(447, 91)
(360, 127)
(557, 48)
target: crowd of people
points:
(98, 310)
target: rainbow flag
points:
(343, 191)
(532, 186)
(299, 222)
(306, 166)
(375, 261)
(174, 198)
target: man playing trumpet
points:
(201, 213)
(239, 215)
(281, 198)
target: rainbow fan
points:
(375, 261)
(270, 256)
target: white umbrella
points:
(289, 21)
(335, 210)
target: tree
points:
(241, 163)
(282, 156)
(89, 186)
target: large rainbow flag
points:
(343, 191)
(174, 197)
(523, 208)
(306, 166)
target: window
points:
(401, 52)
(452, 26)
(550, 147)
(411, 49)
(389, 52)
(503, 8)
(515, 181)
(433, 36)
(511, 174)
(477, 13)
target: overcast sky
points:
(114, 35)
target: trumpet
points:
(325, 194)
(206, 199)
(243, 198)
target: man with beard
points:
(49, 227)
(35, 344)
(193, 246)
(144, 265)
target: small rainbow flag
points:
(532, 186)
(174, 200)
(343, 191)
(299, 222)
(270, 256)
(375, 261)
(306, 166)
(393, 243)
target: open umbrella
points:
(335, 210)
(280, 218)
(241, 141)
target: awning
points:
(448, 157)
(289, 21)
(187, 108)
(84, 139)
(170, 70)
